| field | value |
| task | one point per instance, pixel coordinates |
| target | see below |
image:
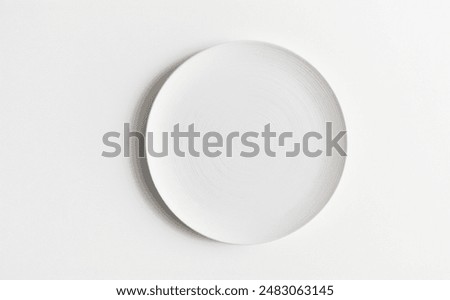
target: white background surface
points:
(70, 71)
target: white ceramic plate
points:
(242, 86)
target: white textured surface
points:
(70, 71)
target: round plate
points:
(242, 87)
